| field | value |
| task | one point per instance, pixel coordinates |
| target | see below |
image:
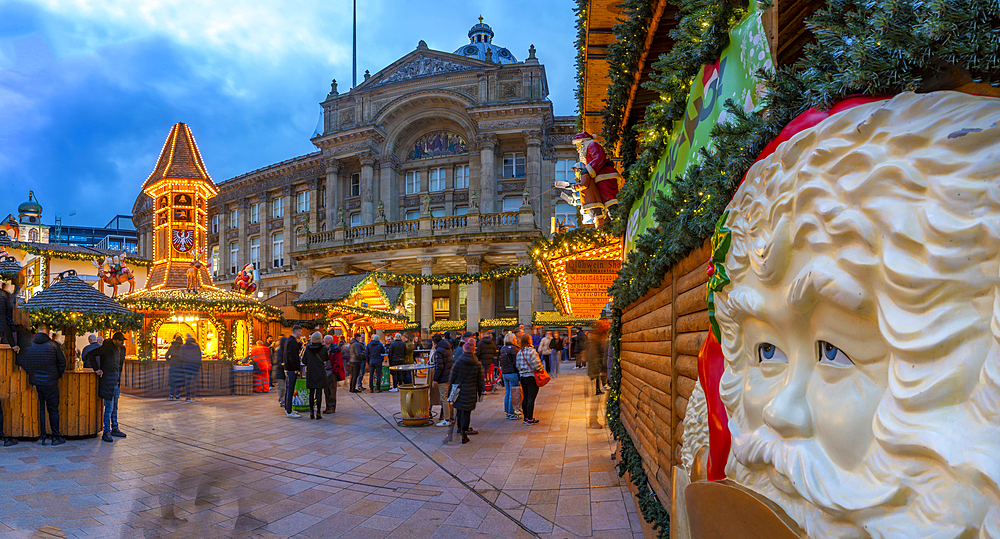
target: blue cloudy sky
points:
(90, 88)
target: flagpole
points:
(354, 76)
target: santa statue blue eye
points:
(767, 352)
(831, 355)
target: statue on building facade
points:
(856, 294)
(473, 201)
(425, 204)
(598, 181)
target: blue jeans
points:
(111, 413)
(510, 383)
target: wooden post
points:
(69, 347)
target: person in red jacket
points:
(260, 356)
(334, 372)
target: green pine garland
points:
(458, 278)
(65, 255)
(85, 321)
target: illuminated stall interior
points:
(356, 302)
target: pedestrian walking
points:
(511, 379)
(191, 354)
(443, 363)
(45, 364)
(358, 358)
(467, 375)
(581, 349)
(334, 372)
(315, 358)
(556, 346)
(544, 351)
(109, 359)
(375, 350)
(260, 356)
(597, 351)
(528, 363)
(293, 350)
(175, 366)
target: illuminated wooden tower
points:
(180, 188)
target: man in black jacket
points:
(374, 352)
(356, 353)
(7, 318)
(108, 361)
(397, 356)
(293, 352)
(45, 364)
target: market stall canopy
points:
(213, 301)
(358, 297)
(70, 302)
(9, 268)
(578, 271)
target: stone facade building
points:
(441, 163)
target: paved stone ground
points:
(237, 467)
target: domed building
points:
(29, 221)
(441, 163)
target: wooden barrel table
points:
(80, 411)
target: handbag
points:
(453, 396)
(542, 377)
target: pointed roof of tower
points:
(179, 158)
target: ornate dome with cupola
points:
(481, 42)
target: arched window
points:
(298, 241)
(33, 235)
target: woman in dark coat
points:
(176, 364)
(315, 358)
(191, 358)
(467, 373)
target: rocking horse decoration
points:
(9, 225)
(114, 272)
(244, 282)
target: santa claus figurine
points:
(599, 181)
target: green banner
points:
(729, 78)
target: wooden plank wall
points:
(661, 336)
(80, 410)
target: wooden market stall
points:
(69, 305)
(356, 302)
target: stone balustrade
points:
(426, 226)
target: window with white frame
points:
(412, 182)
(513, 165)
(278, 249)
(436, 179)
(462, 177)
(564, 171)
(302, 201)
(234, 256)
(278, 208)
(511, 203)
(565, 213)
(355, 185)
(412, 215)
(234, 218)
(255, 252)
(255, 213)
(215, 261)
(355, 219)
(300, 238)
(461, 210)
(215, 224)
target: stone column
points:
(487, 301)
(426, 293)
(525, 297)
(472, 293)
(453, 301)
(288, 192)
(389, 186)
(367, 187)
(305, 279)
(533, 169)
(332, 201)
(487, 143)
(265, 233)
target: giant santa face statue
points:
(861, 324)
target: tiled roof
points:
(9, 268)
(73, 295)
(179, 158)
(332, 288)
